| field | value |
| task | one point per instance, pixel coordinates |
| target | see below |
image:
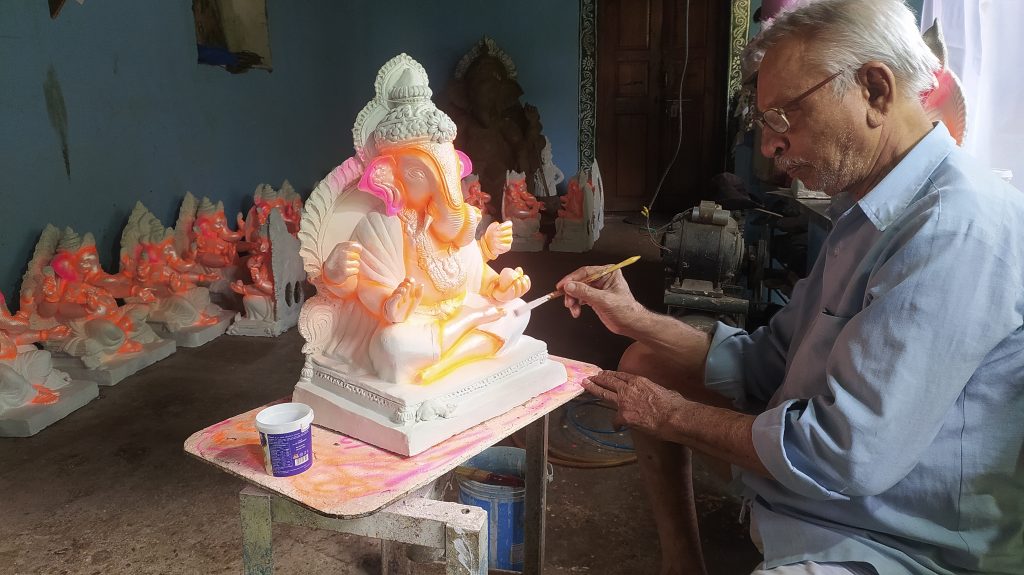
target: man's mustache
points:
(786, 164)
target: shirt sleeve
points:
(936, 305)
(748, 368)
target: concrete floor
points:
(110, 491)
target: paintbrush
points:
(484, 476)
(596, 276)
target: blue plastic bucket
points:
(505, 506)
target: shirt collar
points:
(841, 204)
(886, 201)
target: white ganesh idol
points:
(412, 337)
(32, 393)
(581, 216)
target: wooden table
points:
(357, 488)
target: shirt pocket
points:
(806, 375)
(826, 328)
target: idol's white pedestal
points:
(30, 418)
(534, 243)
(195, 336)
(526, 236)
(262, 328)
(407, 418)
(571, 236)
(117, 369)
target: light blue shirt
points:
(891, 387)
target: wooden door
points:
(640, 51)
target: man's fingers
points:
(604, 282)
(585, 294)
(599, 392)
(573, 305)
(619, 423)
(578, 275)
(608, 380)
(621, 376)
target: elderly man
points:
(876, 422)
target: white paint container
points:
(286, 437)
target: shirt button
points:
(835, 251)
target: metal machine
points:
(703, 249)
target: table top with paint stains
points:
(350, 478)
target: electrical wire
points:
(564, 459)
(646, 211)
(589, 432)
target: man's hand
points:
(609, 296)
(642, 404)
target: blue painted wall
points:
(916, 5)
(146, 122)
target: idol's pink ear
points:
(379, 179)
(467, 164)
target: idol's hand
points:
(510, 284)
(343, 264)
(403, 301)
(497, 239)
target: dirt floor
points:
(109, 490)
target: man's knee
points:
(638, 359)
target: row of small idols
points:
(180, 286)
(580, 216)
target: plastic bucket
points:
(505, 506)
(286, 438)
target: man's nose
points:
(773, 143)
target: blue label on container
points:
(289, 453)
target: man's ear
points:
(879, 88)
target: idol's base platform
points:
(408, 418)
(30, 419)
(195, 336)
(117, 369)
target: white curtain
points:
(985, 39)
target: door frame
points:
(739, 28)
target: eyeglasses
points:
(775, 118)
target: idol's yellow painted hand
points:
(510, 284)
(497, 240)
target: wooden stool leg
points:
(257, 541)
(536, 496)
(392, 558)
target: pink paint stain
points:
(351, 477)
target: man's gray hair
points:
(848, 33)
